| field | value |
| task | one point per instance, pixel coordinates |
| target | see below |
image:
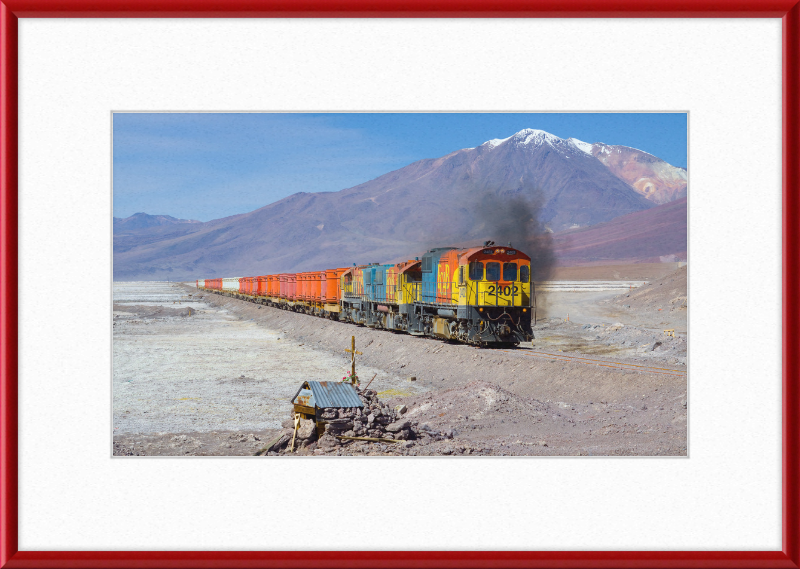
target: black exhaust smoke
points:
(517, 219)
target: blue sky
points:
(210, 165)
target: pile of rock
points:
(374, 421)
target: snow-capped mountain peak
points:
(532, 136)
(647, 174)
(526, 137)
(494, 142)
(581, 145)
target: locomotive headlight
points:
(524, 310)
(480, 310)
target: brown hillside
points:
(644, 236)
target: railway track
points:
(598, 362)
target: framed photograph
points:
(145, 98)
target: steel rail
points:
(601, 363)
(620, 363)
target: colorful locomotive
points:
(482, 295)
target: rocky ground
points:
(607, 382)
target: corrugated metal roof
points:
(334, 394)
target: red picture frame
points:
(11, 10)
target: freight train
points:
(481, 295)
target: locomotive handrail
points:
(433, 293)
(372, 293)
(436, 293)
(442, 293)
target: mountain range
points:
(512, 188)
(143, 220)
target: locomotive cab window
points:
(460, 275)
(492, 272)
(509, 271)
(524, 273)
(476, 271)
(378, 277)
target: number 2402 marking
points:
(506, 290)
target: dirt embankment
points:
(669, 293)
(660, 304)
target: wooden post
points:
(353, 356)
(352, 351)
(296, 423)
